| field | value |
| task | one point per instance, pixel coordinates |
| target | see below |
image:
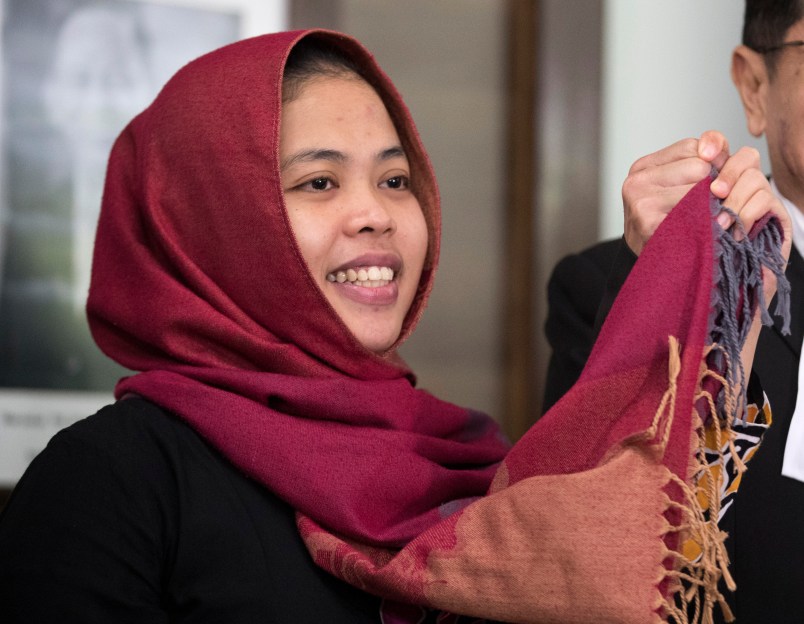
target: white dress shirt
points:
(793, 465)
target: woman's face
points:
(347, 190)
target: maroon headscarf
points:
(199, 284)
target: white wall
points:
(258, 16)
(665, 77)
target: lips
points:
(369, 279)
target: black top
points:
(129, 516)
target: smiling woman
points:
(268, 236)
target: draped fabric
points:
(199, 285)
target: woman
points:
(273, 461)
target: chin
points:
(378, 343)
(378, 347)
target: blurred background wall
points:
(532, 110)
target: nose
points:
(370, 213)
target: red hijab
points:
(397, 492)
(187, 288)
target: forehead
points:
(341, 109)
(325, 91)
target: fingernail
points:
(724, 220)
(708, 151)
(719, 188)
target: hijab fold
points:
(199, 285)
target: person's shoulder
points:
(584, 272)
(599, 256)
(129, 420)
(120, 466)
(604, 252)
(133, 434)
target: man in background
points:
(767, 519)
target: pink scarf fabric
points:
(198, 283)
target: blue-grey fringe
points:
(739, 259)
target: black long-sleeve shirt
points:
(129, 516)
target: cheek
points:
(789, 141)
(417, 238)
(310, 238)
(416, 252)
(786, 109)
(792, 122)
(785, 124)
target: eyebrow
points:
(392, 152)
(332, 155)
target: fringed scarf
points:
(198, 283)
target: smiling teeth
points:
(368, 277)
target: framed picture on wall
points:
(74, 73)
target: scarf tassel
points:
(719, 402)
(695, 579)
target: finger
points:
(758, 201)
(679, 172)
(745, 188)
(751, 198)
(686, 148)
(725, 220)
(743, 159)
(753, 210)
(713, 147)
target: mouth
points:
(363, 276)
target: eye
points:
(317, 184)
(399, 182)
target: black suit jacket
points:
(767, 526)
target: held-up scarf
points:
(198, 283)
